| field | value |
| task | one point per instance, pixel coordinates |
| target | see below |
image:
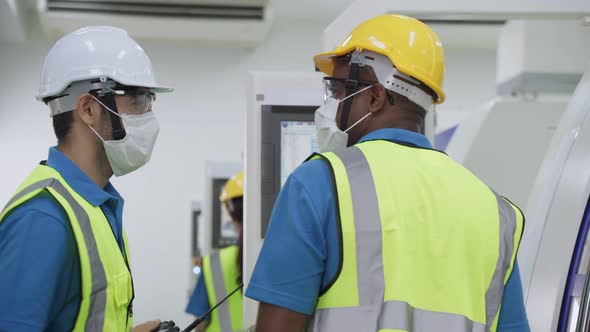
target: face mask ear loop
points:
(89, 126)
(359, 121)
(108, 102)
(364, 117)
(356, 93)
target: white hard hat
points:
(100, 52)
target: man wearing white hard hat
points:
(64, 260)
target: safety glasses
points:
(336, 87)
(140, 99)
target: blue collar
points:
(398, 135)
(79, 181)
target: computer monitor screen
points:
(288, 138)
(298, 141)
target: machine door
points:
(575, 307)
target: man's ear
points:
(87, 109)
(378, 98)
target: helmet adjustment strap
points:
(351, 85)
(107, 97)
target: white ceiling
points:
(13, 18)
(467, 35)
(319, 10)
(482, 37)
(476, 37)
(15, 15)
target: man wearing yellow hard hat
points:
(380, 232)
(222, 271)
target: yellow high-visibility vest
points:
(425, 245)
(107, 286)
(220, 273)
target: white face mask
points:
(330, 137)
(135, 149)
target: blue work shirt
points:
(300, 253)
(198, 304)
(39, 263)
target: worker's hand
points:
(147, 326)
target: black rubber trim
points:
(48, 99)
(338, 224)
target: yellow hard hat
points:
(233, 188)
(413, 48)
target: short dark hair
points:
(62, 125)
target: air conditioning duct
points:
(234, 23)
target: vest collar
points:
(79, 181)
(398, 135)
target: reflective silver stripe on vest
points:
(220, 292)
(367, 226)
(373, 314)
(98, 298)
(35, 186)
(507, 229)
(394, 315)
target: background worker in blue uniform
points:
(215, 283)
(64, 263)
(382, 79)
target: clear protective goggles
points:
(140, 99)
(336, 87)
